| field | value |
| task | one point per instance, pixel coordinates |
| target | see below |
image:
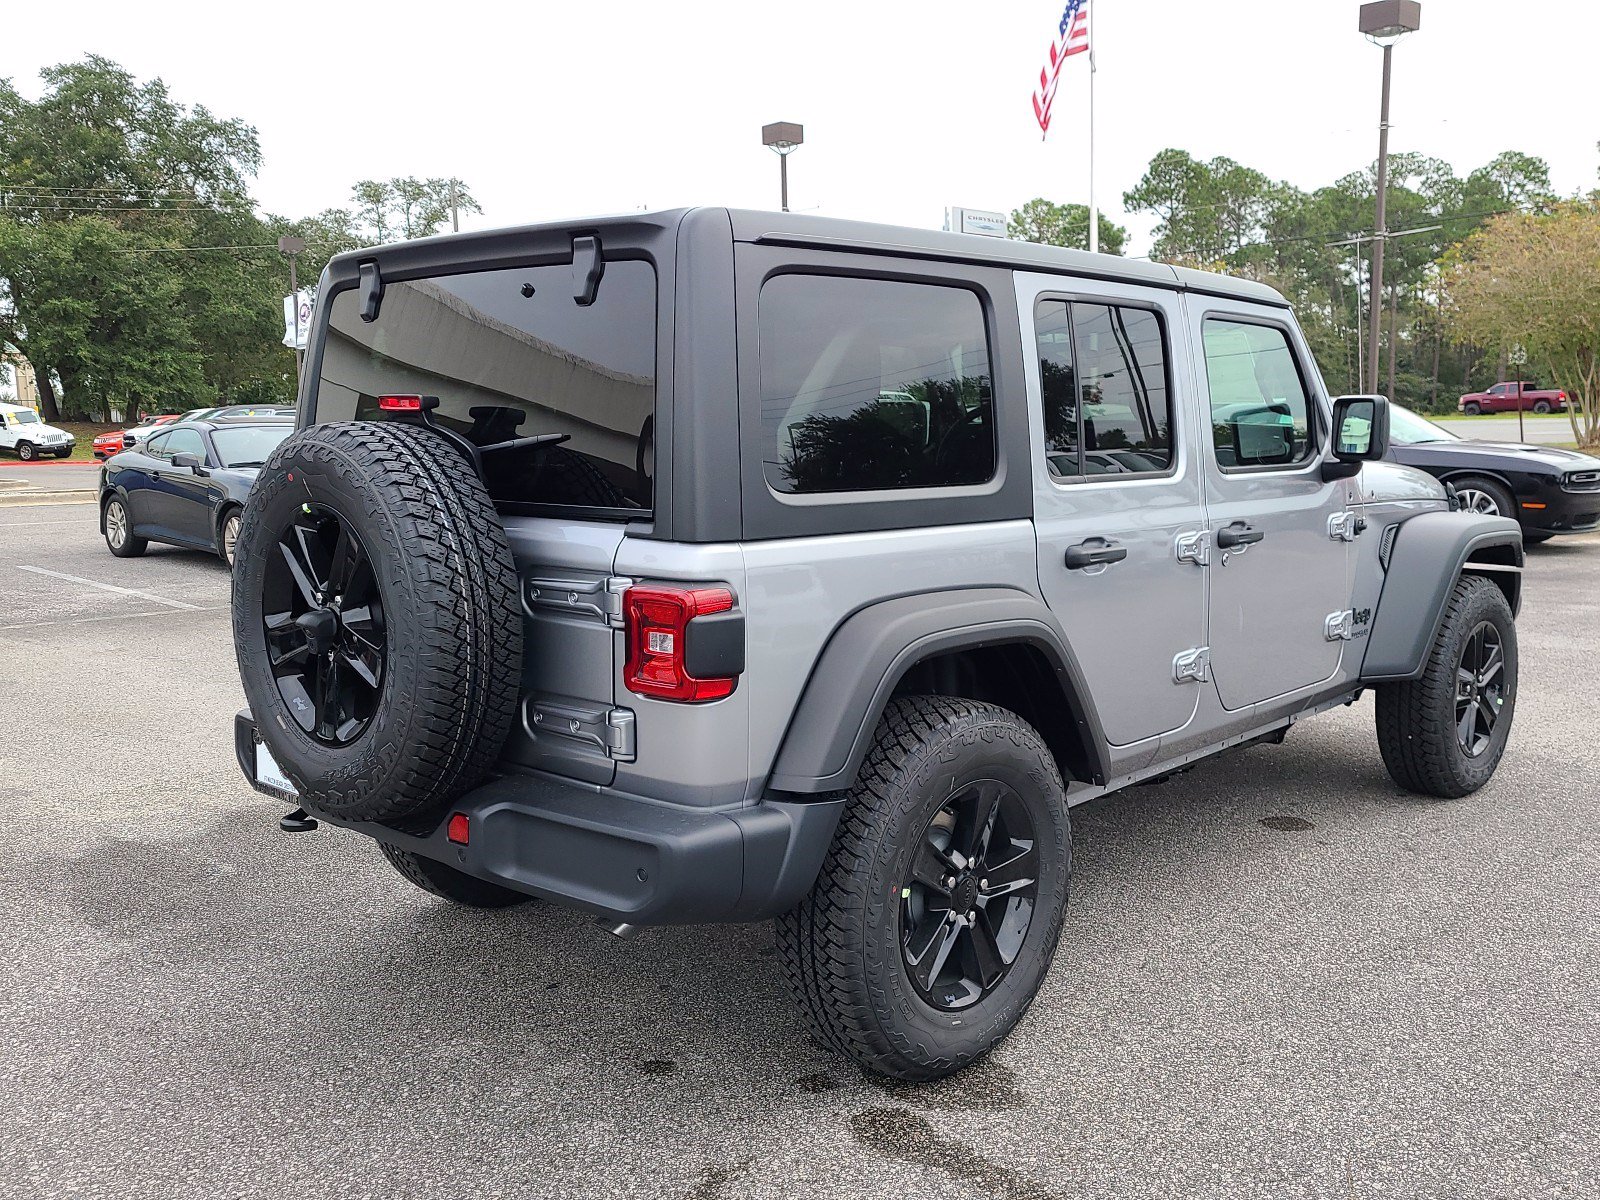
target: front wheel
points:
(26, 451)
(1443, 734)
(1486, 497)
(228, 537)
(1471, 410)
(937, 911)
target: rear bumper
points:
(625, 858)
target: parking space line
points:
(110, 587)
(155, 612)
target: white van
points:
(22, 431)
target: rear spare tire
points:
(376, 622)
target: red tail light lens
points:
(459, 829)
(658, 632)
(400, 403)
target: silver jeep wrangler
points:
(724, 566)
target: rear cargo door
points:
(512, 356)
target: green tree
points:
(1534, 278)
(407, 207)
(1052, 224)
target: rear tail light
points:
(1561, 395)
(659, 624)
(400, 403)
(459, 829)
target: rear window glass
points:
(870, 383)
(510, 355)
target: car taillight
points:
(1561, 395)
(400, 403)
(659, 622)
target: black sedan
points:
(1550, 491)
(186, 484)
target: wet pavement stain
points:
(817, 1081)
(986, 1086)
(1287, 824)
(901, 1134)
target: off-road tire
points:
(132, 545)
(840, 947)
(449, 595)
(1416, 719)
(442, 880)
(27, 452)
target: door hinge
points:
(1192, 666)
(1195, 547)
(592, 598)
(1345, 526)
(615, 587)
(1340, 626)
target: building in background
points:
(24, 385)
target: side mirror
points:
(193, 461)
(1360, 434)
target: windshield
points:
(25, 417)
(248, 445)
(511, 359)
(1407, 429)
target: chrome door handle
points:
(1094, 552)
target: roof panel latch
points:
(587, 267)
(371, 291)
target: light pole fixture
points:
(292, 247)
(1384, 22)
(783, 137)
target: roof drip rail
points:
(371, 292)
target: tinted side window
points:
(1059, 383)
(1260, 412)
(156, 447)
(1103, 373)
(510, 356)
(869, 384)
(184, 441)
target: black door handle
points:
(1238, 534)
(1095, 552)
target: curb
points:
(31, 499)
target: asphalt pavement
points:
(1280, 975)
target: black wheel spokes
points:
(968, 902)
(1480, 689)
(324, 626)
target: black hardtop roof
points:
(804, 229)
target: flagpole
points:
(1094, 210)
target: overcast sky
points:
(553, 110)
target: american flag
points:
(1072, 37)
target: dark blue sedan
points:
(186, 484)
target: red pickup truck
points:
(1502, 397)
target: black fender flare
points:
(1430, 552)
(870, 652)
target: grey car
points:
(728, 566)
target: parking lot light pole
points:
(1384, 22)
(292, 247)
(783, 137)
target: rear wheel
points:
(1443, 734)
(433, 876)
(120, 538)
(937, 911)
(1486, 497)
(1541, 406)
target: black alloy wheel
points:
(970, 898)
(323, 618)
(1480, 689)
